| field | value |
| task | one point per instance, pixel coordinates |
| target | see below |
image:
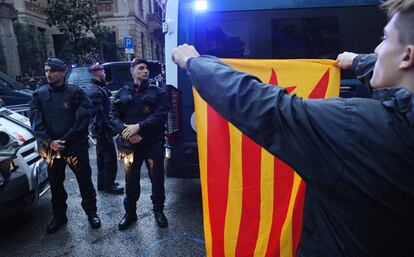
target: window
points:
(152, 49)
(289, 33)
(157, 52)
(142, 45)
(118, 74)
(305, 37)
(80, 75)
(141, 6)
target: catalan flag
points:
(252, 201)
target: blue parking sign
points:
(128, 43)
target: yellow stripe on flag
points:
(201, 125)
(266, 202)
(286, 248)
(235, 196)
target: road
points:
(25, 233)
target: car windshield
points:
(10, 83)
(79, 75)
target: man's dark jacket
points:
(99, 95)
(60, 113)
(355, 155)
(145, 105)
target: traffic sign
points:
(129, 45)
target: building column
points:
(8, 40)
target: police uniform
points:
(145, 105)
(103, 132)
(62, 113)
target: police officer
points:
(102, 131)
(59, 115)
(138, 115)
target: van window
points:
(79, 75)
(295, 38)
(119, 74)
(4, 86)
(320, 33)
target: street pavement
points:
(24, 234)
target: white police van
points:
(23, 173)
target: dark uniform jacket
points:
(100, 95)
(60, 113)
(146, 107)
(356, 156)
(363, 68)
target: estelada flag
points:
(252, 201)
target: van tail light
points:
(174, 115)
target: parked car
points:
(23, 173)
(13, 92)
(117, 74)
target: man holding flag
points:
(355, 155)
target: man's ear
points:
(408, 58)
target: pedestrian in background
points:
(138, 115)
(59, 115)
(356, 155)
(101, 130)
(32, 85)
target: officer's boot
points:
(94, 220)
(130, 215)
(160, 218)
(114, 188)
(57, 222)
(128, 219)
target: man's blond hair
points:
(405, 21)
(394, 6)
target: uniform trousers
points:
(106, 160)
(79, 164)
(133, 163)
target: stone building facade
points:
(139, 19)
(8, 42)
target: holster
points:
(124, 146)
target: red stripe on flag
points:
(250, 219)
(218, 166)
(297, 217)
(320, 90)
(283, 184)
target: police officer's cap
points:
(137, 61)
(56, 64)
(95, 67)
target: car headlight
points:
(4, 139)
